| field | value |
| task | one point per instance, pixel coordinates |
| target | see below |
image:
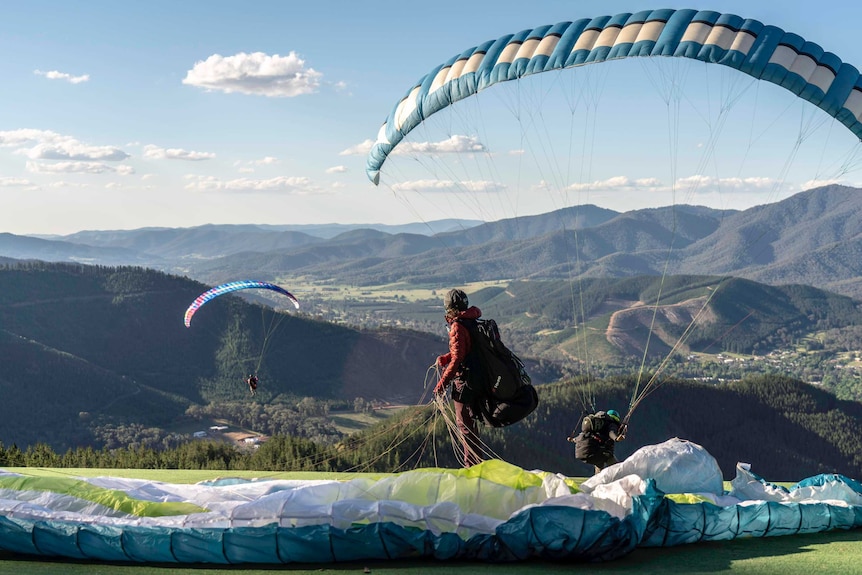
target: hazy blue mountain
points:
(814, 237)
(423, 228)
(524, 227)
(142, 238)
(638, 239)
(811, 238)
(27, 247)
(201, 242)
(356, 247)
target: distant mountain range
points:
(161, 246)
(814, 238)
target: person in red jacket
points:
(458, 308)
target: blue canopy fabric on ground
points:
(493, 512)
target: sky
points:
(123, 115)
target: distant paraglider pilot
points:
(458, 308)
(599, 434)
(252, 384)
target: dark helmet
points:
(455, 299)
(613, 414)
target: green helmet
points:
(613, 414)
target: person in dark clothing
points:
(458, 308)
(599, 434)
(252, 383)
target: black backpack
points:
(591, 445)
(501, 389)
(593, 422)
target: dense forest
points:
(94, 355)
(785, 429)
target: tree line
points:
(786, 429)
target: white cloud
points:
(811, 184)
(257, 74)
(647, 182)
(17, 138)
(447, 186)
(290, 184)
(63, 184)
(12, 182)
(360, 149)
(55, 75)
(48, 145)
(456, 144)
(248, 167)
(72, 149)
(75, 167)
(336, 170)
(156, 153)
(617, 183)
(704, 184)
(691, 185)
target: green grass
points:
(348, 422)
(179, 475)
(838, 552)
(400, 291)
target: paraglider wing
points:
(492, 511)
(232, 287)
(761, 51)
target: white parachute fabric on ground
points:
(494, 512)
(676, 466)
(437, 501)
(836, 489)
(616, 497)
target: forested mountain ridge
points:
(611, 320)
(80, 343)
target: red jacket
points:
(459, 346)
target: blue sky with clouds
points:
(120, 115)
